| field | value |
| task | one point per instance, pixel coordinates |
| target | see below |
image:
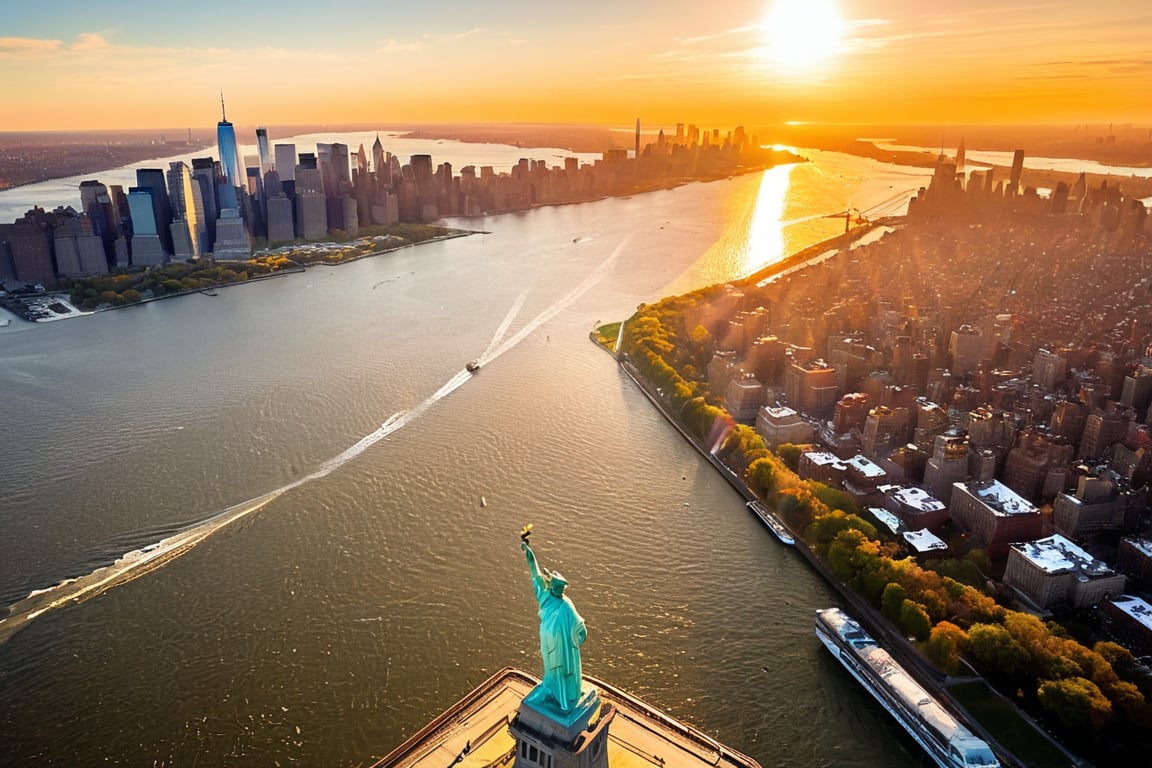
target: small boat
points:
(473, 366)
(775, 524)
(483, 501)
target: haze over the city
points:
(73, 65)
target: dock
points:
(473, 733)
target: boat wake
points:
(138, 562)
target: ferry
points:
(775, 524)
(948, 742)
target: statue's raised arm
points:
(562, 632)
(539, 579)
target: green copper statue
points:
(562, 632)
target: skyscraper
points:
(188, 231)
(146, 246)
(265, 151)
(229, 151)
(286, 161)
(153, 178)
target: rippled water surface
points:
(359, 586)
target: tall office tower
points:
(79, 251)
(204, 173)
(1137, 389)
(146, 247)
(960, 157)
(154, 178)
(263, 149)
(1017, 167)
(1048, 369)
(966, 347)
(286, 161)
(97, 204)
(1105, 428)
(230, 163)
(884, 430)
(1068, 420)
(362, 161)
(281, 227)
(948, 465)
(378, 160)
(636, 151)
(1030, 463)
(188, 231)
(311, 209)
(337, 182)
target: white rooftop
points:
(822, 458)
(1143, 545)
(924, 540)
(918, 498)
(1056, 554)
(865, 466)
(780, 412)
(1136, 607)
(1000, 498)
(886, 518)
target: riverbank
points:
(85, 296)
(1043, 751)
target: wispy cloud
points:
(392, 45)
(717, 35)
(17, 47)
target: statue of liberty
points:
(562, 632)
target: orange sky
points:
(72, 64)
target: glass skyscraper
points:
(229, 151)
(265, 151)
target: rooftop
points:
(1143, 545)
(924, 540)
(822, 458)
(474, 732)
(918, 499)
(779, 413)
(1136, 607)
(865, 466)
(1057, 554)
(1000, 498)
(886, 518)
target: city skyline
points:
(70, 65)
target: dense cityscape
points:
(976, 384)
(222, 209)
(833, 406)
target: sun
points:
(802, 35)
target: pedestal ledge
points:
(539, 707)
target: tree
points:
(914, 620)
(790, 455)
(946, 643)
(761, 476)
(1076, 702)
(891, 600)
(833, 497)
(842, 552)
(997, 653)
(963, 571)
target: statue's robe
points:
(562, 632)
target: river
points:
(359, 586)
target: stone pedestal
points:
(547, 737)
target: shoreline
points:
(894, 642)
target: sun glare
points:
(801, 35)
